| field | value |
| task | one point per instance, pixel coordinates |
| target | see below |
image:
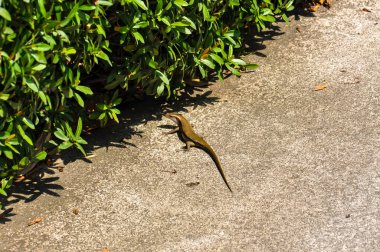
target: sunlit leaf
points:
(28, 123)
(5, 14)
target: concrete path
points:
(304, 165)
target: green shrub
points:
(54, 55)
(45, 46)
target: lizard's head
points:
(173, 116)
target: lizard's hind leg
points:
(187, 147)
(189, 144)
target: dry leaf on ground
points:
(316, 4)
(320, 87)
(191, 184)
(35, 221)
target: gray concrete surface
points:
(304, 165)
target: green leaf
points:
(217, 58)
(5, 14)
(267, 18)
(12, 148)
(116, 102)
(40, 156)
(39, 57)
(163, 77)
(42, 97)
(115, 110)
(8, 153)
(153, 64)
(229, 38)
(290, 8)
(68, 51)
(42, 7)
(41, 47)
(141, 4)
(84, 89)
(69, 130)
(79, 99)
(87, 7)
(230, 51)
(234, 2)
(138, 36)
(141, 24)
(28, 123)
(208, 63)
(101, 106)
(81, 141)
(104, 56)
(60, 134)
(65, 145)
(205, 11)
(79, 147)
(4, 135)
(238, 62)
(285, 18)
(31, 84)
(160, 89)
(49, 39)
(190, 22)
(289, 5)
(184, 30)
(202, 71)
(4, 97)
(79, 128)
(100, 30)
(159, 6)
(180, 3)
(179, 24)
(102, 116)
(251, 66)
(233, 70)
(266, 11)
(4, 183)
(2, 192)
(39, 67)
(114, 116)
(70, 16)
(105, 3)
(63, 36)
(24, 135)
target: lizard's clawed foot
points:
(184, 148)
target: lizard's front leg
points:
(176, 129)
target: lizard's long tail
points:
(218, 165)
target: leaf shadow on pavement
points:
(254, 41)
(6, 215)
(120, 135)
(28, 191)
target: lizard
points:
(191, 139)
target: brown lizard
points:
(193, 140)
